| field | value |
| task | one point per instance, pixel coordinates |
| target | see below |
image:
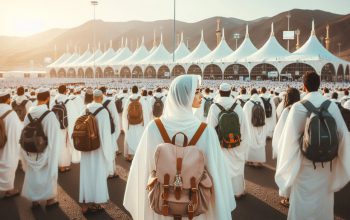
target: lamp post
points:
(288, 17)
(236, 36)
(94, 4)
(339, 45)
(174, 41)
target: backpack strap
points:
(309, 107)
(43, 115)
(24, 102)
(233, 107)
(325, 105)
(66, 101)
(162, 131)
(220, 107)
(198, 134)
(98, 110)
(5, 114)
(106, 103)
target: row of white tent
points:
(272, 53)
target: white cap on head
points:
(97, 93)
(42, 90)
(109, 92)
(225, 87)
(278, 90)
(5, 92)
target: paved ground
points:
(261, 201)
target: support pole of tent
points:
(174, 32)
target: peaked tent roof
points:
(120, 56)
(82, 58)
(98, 53)
(314, 50)
(105, 57)
(199, 52)
(221, 51)
(160, 55)
(182, 50)
(60, 60)
(70, 60)
(271, 50)
(246, 49)
(139, 54)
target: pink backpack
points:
(180, 186)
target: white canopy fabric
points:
(221, 51)
(182, 50)
(199, 52)
(120, 56)
(81, 59)
(159, 56)
(271, 51)
(60, 60)
(246, 49)
(70, 60)
(139, 54)
(104, 58)
(98, 53)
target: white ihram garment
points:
(178, 117)
(270, 122)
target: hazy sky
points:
(25, 17)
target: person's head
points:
(197, 101)
(225, 90)
(134, 89)
(43, 96)
(150, 93)
(207, 91)
(292, 96)
(62, 89)
(263, 90)
(5, 97)
(98, 96)
(109, 93)
(144, 93)
(325, 90)
(334, 96)
(103, 89)
(253, 91)
(243, 91)
(88, 96)
(233, 89)
(20, 91)
(159, 90)
(311, 81)
(346, 92)
(125, 90)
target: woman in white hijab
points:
(178, 117)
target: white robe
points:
(125, 97)
(66, 134)
(270, 122)
(347, 105)
(256, 152)
(95, 165)
(312, 190)
(235, 157)
(9, 155)
(278, 131)
(40, 181)
(133, 133)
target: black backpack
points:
(60, 111)
(105, 104)
(258, 114)
(319, 143)
(208, 102)
(158, 107)
(242, 102)
(33, 138)
(268, 107)
(346, 115)
(119, 104)
(20, 109)
(228, 129)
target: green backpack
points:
(228, 129)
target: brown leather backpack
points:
(180, 186)
(135, 114)
(85, 134)
(3, 136)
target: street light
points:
(94, 4)
(236, 36)
(339, 45)
(174, 43)
(288, 17)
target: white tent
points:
(104, 58)
(182, 50)
(139, 54)
(92, 59)
(120, 56)
(221, 51)
(246, 49)
(60, 60)
(199, 52)
(69, 61)
(81, 59)
(159, 56)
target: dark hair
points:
(334, 95)
(62, 89)
(243, 91)
(253, 91)
(326, 90)
(42, 96)
(207, 90)
(311, 81)
(20, 91)
(103, 89)
(88, 97)
(159, 89)
(346, 92)
(292, 96)
(3, 99)
(134, 89)
(233, 89)
(125, 90)
(144, 93)
(150, 93)
(263, 90)
(225, 93)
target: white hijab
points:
(178, 105)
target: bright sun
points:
(27, 27)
